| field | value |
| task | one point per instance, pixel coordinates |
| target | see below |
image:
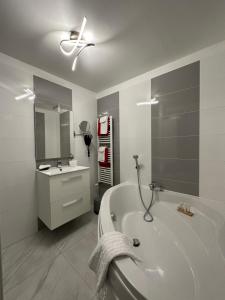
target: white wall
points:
(212, 127)
(18, 209)
(85, 108)
(212, 120)
(135, 132)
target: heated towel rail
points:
(105, 174)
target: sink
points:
(62, 195)
(64, 169)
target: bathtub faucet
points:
(155, 186)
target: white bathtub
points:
(183, 258)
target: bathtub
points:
(183, 258)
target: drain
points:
(136, 242)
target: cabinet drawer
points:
(64, 210)
(68, 185)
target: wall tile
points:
(55, 93)
(18, 222)
(17, 149)
(212, 147)
(212, 121)
(178, 79)
(16, 126)
(176, 169)
(212, 179)
(212, 127)
(17, 108)
(39, 135)
(176, 147)
(176, 125)
(9, 173)
(136, 145)
(178, 186)
(135, 132)
(212, 86)
(177, 103)
(175, 129)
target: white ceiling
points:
(132, 36)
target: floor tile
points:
(22, 259)
(78, 256)
(71, 233)
(52, 264)
(58, 281)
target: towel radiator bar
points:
(105, 174)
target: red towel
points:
(99, 127)
(106, 155)
(104, 164)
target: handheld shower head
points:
(135, 157)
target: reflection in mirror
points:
(53, 120)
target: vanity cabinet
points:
(63, 196)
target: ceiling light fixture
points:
(27, 94)
(75, 44)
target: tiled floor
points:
(52, 265)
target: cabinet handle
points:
(71, 202)
(70, 178)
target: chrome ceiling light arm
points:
(76, 42)
(79, 52)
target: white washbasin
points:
(64, 169)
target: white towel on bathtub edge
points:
(111, 245)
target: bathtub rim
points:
(137, 280)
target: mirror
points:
(53, 120)
(84, 127)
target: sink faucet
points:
(59, 164)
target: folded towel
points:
(103, 125)
(104, 119)
(111, 245)
(103, 154)
(104, 164)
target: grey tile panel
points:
(108, 103)
(178, 186)
(176, 169)
(177, 103)
(102, 189)
(65, 134)
(179, 79)
(117, 177)
(116, 168)
(176, 147)
(175, 129)
(40, 135)
(52, 93)
(176, 125)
